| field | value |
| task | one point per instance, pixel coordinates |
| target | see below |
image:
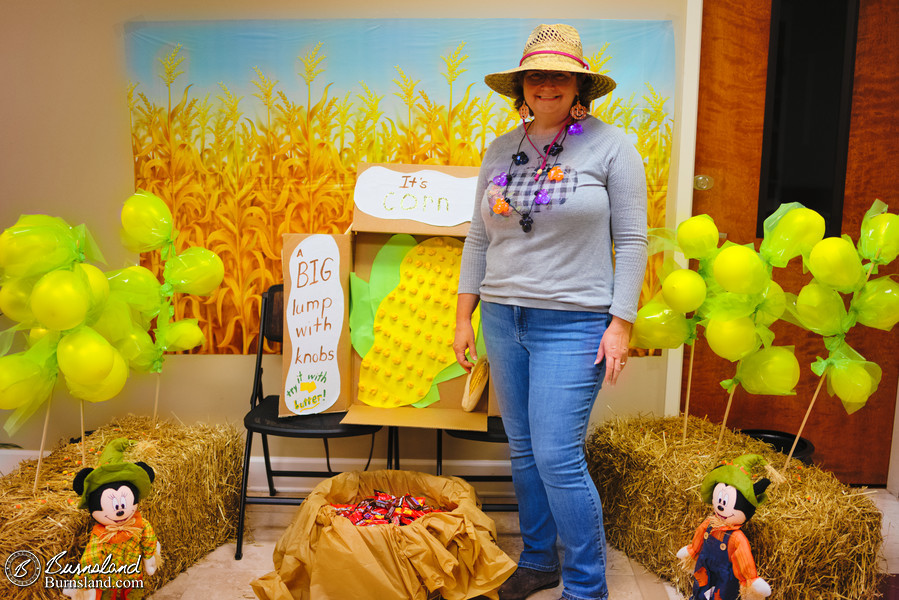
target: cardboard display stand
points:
(319, 361)
(316, 372)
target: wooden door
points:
(856, 448)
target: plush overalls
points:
(720, 581)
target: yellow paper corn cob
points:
(414, 327)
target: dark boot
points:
(525, 582)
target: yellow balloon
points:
(732, 339)
(137, 286)
(36, 334)
(697, 236)
(772, 370)
(834, 262)
(773, 305)
(659, 326)
(852, 383)
(84, 356)
(684, 290)
(19, 377)
(98, 284)
(820, 309)
(35, 245)
(877, 305)
(795, 233)
(138, 349)
(146, 222)
(15, 297)
(60, 300)
(880, 238)
(739, 269)
(183, 335)
(108, 388)
(195, 271)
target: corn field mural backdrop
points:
(253, 129)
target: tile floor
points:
(219, 576)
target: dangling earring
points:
(524, 111)
(578, 112)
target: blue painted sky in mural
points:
(368, 50)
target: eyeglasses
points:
(556, 77)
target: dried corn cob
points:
(477, 381)
(414, 327)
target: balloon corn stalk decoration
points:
(735, 300)
(91, 326)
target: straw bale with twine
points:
(193, 504)
(815, 538)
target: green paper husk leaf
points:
(362, 317)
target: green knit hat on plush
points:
(737, 473)
(111, 468)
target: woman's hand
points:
(613, 348)
(464, 337)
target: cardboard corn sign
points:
(316, 354)
(399, 198)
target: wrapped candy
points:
(385, 509)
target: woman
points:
(556, 310)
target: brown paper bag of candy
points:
(324, 556)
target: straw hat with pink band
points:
(552, 48)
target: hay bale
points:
(815, 538)
(193, 505)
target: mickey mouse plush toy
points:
(719, 554)
(121, 543)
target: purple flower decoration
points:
(501, 179)
(542, 197)
(575, 129)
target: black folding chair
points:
(495, 434)
(263, 420)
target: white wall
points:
(66, 152)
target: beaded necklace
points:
(521, 158)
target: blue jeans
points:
(541, 364)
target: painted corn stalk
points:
(236, 179)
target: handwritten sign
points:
(314, 310)
(430, 195)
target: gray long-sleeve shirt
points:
(565, 262)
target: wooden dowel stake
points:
(804, 419)
(726, 412)
(689, 384)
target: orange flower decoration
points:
(556, 174)
(501, 207)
